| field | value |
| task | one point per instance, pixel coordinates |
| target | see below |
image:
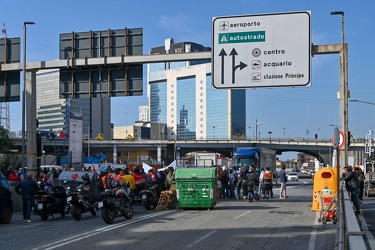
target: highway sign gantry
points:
(268, 50)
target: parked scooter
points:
(81, 199)
(149, 196)
(52, 200)
(145, 194)
(115, 202)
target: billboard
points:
(10, 50)
(105, 80)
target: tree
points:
(6, 144)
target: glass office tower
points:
(182, 97)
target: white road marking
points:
(235, 218)
(202, 238)
(313, 233)
(34, 225)
(91, 233)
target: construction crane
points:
(4, 106)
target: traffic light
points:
(349, 138)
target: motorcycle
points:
(52, 201)
(81, 201)
(149, 196)
(114, 203)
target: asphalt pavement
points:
(367, 219)
(233, 224)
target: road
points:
(367, 219)
(232, 224)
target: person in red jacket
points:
(14, 176)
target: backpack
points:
(224, 177)
(99, 184)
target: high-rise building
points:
(51, 111)
(181, 95)
(143, 113)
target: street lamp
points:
(371, 103)
(343, 89)
(270, 132)
(24, 96)
(308, 123)
(284, 132)
(249, 132)
(256, 129)
(213, 131)
(126, 124)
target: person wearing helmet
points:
(102, 184)
(86, 178)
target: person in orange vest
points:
(117, 175)
(103, 180)
(151, 173)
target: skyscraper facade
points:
(51, 111)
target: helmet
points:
(104, 171)
(85, 177)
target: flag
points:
(146, 167)
(173, 165)
(62, 135)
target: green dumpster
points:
(196, 188)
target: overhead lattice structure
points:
(4, 106)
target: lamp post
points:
(249, 132)
(213, 128)
(24, 96)
(284, 132)
(126, 124)
(256, 129)
(343, 91)
(370, 103)
(270, 132)
(308, 123)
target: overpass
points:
(174, 149)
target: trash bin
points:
(325, 184)
(196, 188)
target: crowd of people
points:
(250, 184)
(104, 179)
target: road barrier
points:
(350, 234)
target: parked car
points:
(292, 176)
(296, 170)
(6, 202)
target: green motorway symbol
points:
(242, 37)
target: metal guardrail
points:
(350, 234)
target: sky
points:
(286, 112)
